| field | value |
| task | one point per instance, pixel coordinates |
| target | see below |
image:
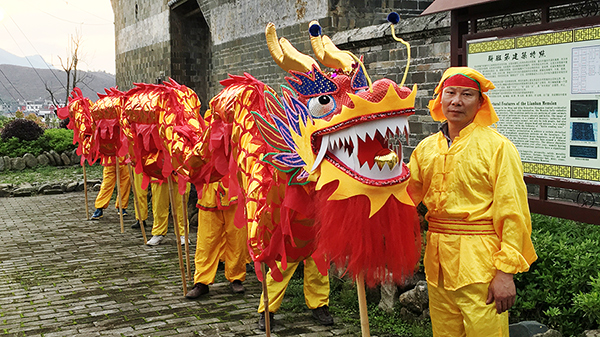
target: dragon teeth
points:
(342, 144)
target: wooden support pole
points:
(118, 183)
(87, 209)
(176, 230)
(362, 305)
(263, 268)
(187, 237)
(135, 201)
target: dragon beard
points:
(385, 247)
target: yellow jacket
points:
(478, 215)
(215, 197)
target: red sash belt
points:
(460, 227)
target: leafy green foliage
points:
(4, 120)
(59, 140)
(590, 303)
(24, 129)
(567, 255)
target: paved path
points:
(61, 275)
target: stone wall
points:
(429, 37)
(199, 42)
(143, 41)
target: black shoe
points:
(261, 321)
(136, 225)
(237, 287)
(97, 214)
(198, 290)
(322, 315)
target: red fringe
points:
(385, 246)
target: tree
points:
(69, 65)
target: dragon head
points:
(343, 127)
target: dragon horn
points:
(285, 55)
(393, 18)
(326, 52)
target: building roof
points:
(446, 5)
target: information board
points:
(546, 96)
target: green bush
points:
(590, 303)
(59, 140)
(4, 120)
(567, 256)
(21, 128)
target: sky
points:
(45, 27)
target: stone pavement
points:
(61, 275)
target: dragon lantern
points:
(109, 142)
(162, 124)
(342, 132)
(81, 122)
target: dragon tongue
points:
(386, 157)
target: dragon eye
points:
(321, 106)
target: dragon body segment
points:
(234, 147)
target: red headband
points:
(460, 80)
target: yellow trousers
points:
(160, 207)
(141, 211)
(316, 287)
(109, 178)
(463, 312)
(218, 238)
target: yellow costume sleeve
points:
(510, 212)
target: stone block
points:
(24, 192)
(56, 157)
(18, 164)
(30, 160)
(44, 187)
(50, 157)
(591, 333)
(72, 186)
(415, 300)
(552, 333)
(526, 329)
(53, 191)
(66, 159)
(75, 159)
(43, 160)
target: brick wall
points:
(191, 56)
(143, 46)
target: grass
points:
(343, 304)
(50, 174)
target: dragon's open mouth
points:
(368, 148)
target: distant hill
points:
(36, 60)
(31, 83)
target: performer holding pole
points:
(109, 180)
(140, 198)
(218, 237)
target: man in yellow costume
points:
(141, 211)
(316, 292)
(109, 179)
(470, 178)
(218, 238)
(160, 210)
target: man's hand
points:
(502, 290)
